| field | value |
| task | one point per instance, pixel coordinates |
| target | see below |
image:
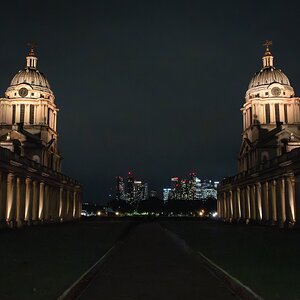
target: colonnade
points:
(26, 200)
(273, 201)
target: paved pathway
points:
(150, 266)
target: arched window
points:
(36, 158)
(13, 114)
(277, 115)
(267, 110)
(22, 113)
(31, 114)
(285, 114)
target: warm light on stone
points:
(267, 186)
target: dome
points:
(29, 76)
(32, 77)
(267, 76)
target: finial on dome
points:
(31, 59)
(32, 46)
(267, 58)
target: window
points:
(13, 114)
(22, 113)
(285, 114)
(267, 108)
(250, 115)
(31, 114)
(48, 117)
(277, 116)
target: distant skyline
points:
(149, 87)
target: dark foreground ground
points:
(41, 262)
(265, 259)
(149, 265)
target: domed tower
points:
(28, 116)
(271, 116)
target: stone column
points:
(238, 202)
(253, 202)
(243, 204)
(265, 202)
(272, 201)
(221, 214)
(297, 200)
(224, 206)
(57, 203)
(281, 216)
(74, 204)
(28, 201)
(248, 209)
(54, 208)
(230, 205)
(41, 201)
(61, 204)
(18, 203)
(259, 206)
(291, 200)
(35, 203)
(10, 199)
(47, 203)
(68, 205)
(2, 199)
(80, 204)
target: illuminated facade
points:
(267, 185)
(32, 187)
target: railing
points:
(292, 156)
(7, 155)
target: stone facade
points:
(267, 186)
(268, 193)
(32, 188)
(31, 193)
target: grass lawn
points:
(40, 262)
(263, 258)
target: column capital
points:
(10, 176)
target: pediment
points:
(288, 135)
(13, 135)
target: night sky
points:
(149, 87)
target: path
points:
(150, 266)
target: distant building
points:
(120, 188)
(153, 193)
(130, 188)
(166, 194)
(192, 188)
(132, 191)
(206, 189)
